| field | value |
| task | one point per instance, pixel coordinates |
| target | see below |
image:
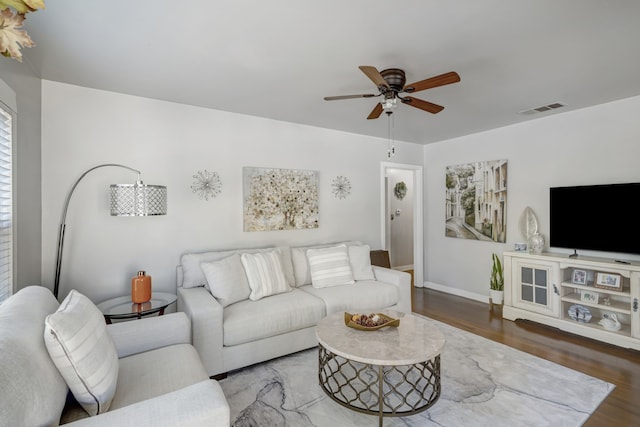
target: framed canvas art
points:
(280, 199)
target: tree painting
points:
(280, 199)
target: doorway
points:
(402, 217)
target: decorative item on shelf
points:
(608, 281)
(580, 313)
(400, 190)
(496, 282)
(579, 277)
(520, 247)
(536, 244)
(528, 224)
(589, 296)
(341, 187)
(207, 184)
(606, 301)
(137, 199)
(610, 322)
(141, 288)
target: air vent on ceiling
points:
(543, 108)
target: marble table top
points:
(414, 341)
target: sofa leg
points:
(219, 377)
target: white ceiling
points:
(279, 58)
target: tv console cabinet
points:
(544, 287)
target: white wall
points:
(169, 143)
(597, 145)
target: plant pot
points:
(496, 296)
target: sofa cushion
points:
(360, 260)
(301, 270)
(226, 280)
(364, 295)
(32, 392)
(330, 266)
(192, 275)
(264, 274)
(80, 346)
(248, 320)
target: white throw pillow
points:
(83, 351)
(301, 270)
(264, 274)
(330, 266)
(360, 260)
(226, 280)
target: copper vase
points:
(141, 288)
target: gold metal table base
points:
(391, 391)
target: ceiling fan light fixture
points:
(389, 104)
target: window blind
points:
(6, 204)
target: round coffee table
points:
(392, 372)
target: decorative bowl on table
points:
(369, 322)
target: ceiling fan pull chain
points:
(391, 147)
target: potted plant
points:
(496, 283)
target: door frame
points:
(418, 234)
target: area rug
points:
(484, 383)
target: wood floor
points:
(613, 364)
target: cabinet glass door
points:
(535, 287)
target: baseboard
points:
(403, 267)
(458, 292)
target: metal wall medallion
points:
(207, 184)
(341, 187)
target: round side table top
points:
(124, 306)
(416, 340)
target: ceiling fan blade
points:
(441, 80)
(374, 75)
(423, 105)
(334, 98)
(375, 113)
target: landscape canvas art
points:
(476, 201)
(280, 199)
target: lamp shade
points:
(138, 199)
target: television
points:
(595, 217)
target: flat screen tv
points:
(595, 217)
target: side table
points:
(123, 308)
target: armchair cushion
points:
(81, 348)
(150, 333)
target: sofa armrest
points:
(399, 278)
(150, 333)
(200, 404)
(205, 313)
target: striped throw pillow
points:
(330, 266)
(81, 348)
(264, 274)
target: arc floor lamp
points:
(137, 199)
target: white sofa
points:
(234, 331)
(160, 379)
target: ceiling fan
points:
(391, 83)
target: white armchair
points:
(161, 380)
